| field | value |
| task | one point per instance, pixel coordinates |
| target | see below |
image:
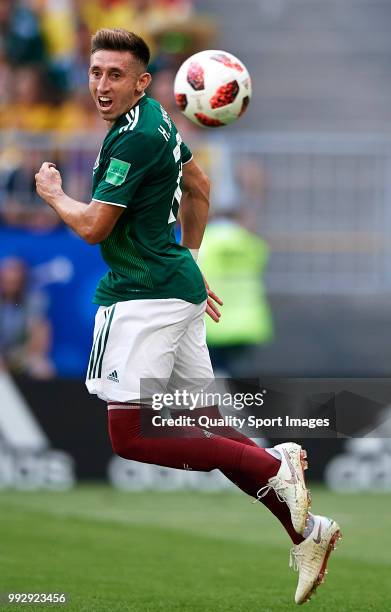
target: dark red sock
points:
(225, 431)
(271, 501)
(184, 447)
(282, 512)
(247, 466)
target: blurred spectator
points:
(20, 33)
(233, 260)
(57, 18)
(5, 77)
(49, 43)
(30, 108)
(25, 332)
(146, 17)
(253, 181)
(19, 202)
(177, 32)
(107, 13)
(79, 59)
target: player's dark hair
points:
(119, 39)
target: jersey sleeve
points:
(186, 154)
(130, 159)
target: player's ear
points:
(143, 82)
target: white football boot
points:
(311, 556)
(289, 483)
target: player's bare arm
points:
(93, 222)
(194, 212)
(194, 207)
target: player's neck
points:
(135, 101)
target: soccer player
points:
(150, 320)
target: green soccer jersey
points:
(139, 168)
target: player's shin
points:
(248, 467)
(133, 437)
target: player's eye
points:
(116, 75)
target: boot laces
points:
(274, 484)
(295, 558)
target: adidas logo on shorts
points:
(113, 376)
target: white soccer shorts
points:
(163, 341)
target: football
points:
(212, 88)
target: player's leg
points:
(285, 493)
(245, 466)
(138, 340)
(252, 469)
(249, 468)
(193, 371)
(133, 436)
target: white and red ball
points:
(212, 88)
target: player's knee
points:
(125, 448)
(124, 433)
(118, 448)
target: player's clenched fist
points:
(48, 182)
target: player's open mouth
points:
(105, 102)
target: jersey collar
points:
(123, 119)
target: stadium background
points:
(308, 167)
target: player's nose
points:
(103, 85)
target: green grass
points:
(185, 552)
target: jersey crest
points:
(117, 171)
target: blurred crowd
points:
(45, 51)
(25, 330)
(44, 60)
